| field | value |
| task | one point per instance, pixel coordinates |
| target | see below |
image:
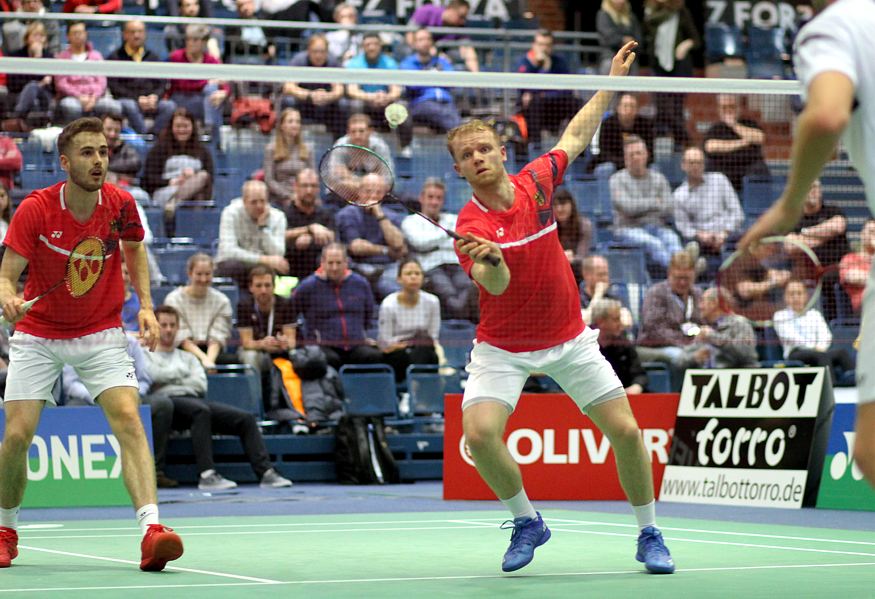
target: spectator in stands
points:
(93, 6)
(804, 334)
(5, 210)
(15, 31)
(706, 207)
(338, 309)
(670, 318)
(728, 338)
(204, 313)
(575, 230)
(372, 99)
(596, 285)
(251, 232)
(670, 33)
(624, 122)
(34, 93)
(249, 44)
(295, 10)
(374, 237)
(854, 267)
(204, 99)
(615, 345)
(174, 35)
(454, 14)
(285, 156)
(80, 95)
(135, 98)
(545, 109)
(760, 287)
(11, 162)
(345, 43)
(436, 255)
(359, 132)
(310, 225)
(124, 160)
(410, 321)
(733, 145)
(131, 305)
(616, 25)
(76, 394)
(642, 202)
(317, 102)
(179, 167)
(178, 375)
(432, 106)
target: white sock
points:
(520, 506)
(207, 473)
(645, 514)
(146, 515)
(9, 517)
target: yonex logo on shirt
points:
(500, 232)
(57, 234)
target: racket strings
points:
(85, 266)
(356, 174)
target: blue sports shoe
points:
(527, 534)
(653, 552)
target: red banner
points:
(562, 454)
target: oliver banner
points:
(560, 451)
(752, 437)
(74, 459)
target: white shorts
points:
(101, 360)
(576, 365)
(866, 351)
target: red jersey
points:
(541, 306)
(43, 231)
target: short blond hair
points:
(472, 126)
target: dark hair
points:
(88, 124)
(198, 257)
(407, 261)
(113, 117)
(570, 232)
(458, 3)
(372, 34)
(166, 140)
(259, 270)
(544, 32)
(165, 309)
(71, 24)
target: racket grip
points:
(25, 306)
(491, 259)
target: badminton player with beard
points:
(531, 322)
(78, 325)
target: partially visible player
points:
(531, 322)
(84, 332)
(833, 61)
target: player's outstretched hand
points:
(148, 328)
(13, 310)
(479, 248)
(623, 59)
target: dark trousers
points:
(548, 112)
(670, 106)
(359, 354)
(455, 290)
(162, 422)
(204, 419)
(399, 360)
(835, 358)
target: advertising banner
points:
(561, 453)
(784, 14)
(751, 437)
(480, 9)
(74, 459)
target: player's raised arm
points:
(580, 130)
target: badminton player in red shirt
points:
(531, 322)
(74, 233)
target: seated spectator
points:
(374, 237)
(248, 44)
(80, 95)
(854, 267)
(251, 232)
(728, 339)
(624, 122)
(431, 106)
(317, 102)
(454, 14)
(616, 347)
(136, 98)
(759, 286)
(174, 35)
(410, 321)
(345, 43)
(35, 93)
(11, 162)
(642, 202)
(616, 25)
(124, 160)
(733, 145)
(575, 230)
(437, 255)
(131, 306)
(670, 318)
(161, 407)
(204, 314)
(360, 133)
(5, 211)
(310, 225)
(545, 109)
(804, 334)
(204, 99)
(285, 156)
(338, 308)
(14, 31)
(372, 99)
(179, 167)
(596, 285)
(91, 7)
(178, 375)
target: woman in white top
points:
(204, 313)
(410, 321)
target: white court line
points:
(274, 525)
(435, 578)
(127, 561)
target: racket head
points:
(356, 174)
(85, 266)
(753, 282)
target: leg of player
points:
(22, 418)
(160, 544)
(484, 424)
(615, 419)
(864, 442)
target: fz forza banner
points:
(752, 437)
(784, 14)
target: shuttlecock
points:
(395, 114)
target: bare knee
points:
(17, 439)
(126, 423)
(481, 433)
(625, 434)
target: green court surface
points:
(439, 554)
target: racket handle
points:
(25, 306)
(494, 261)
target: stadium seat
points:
(427, 386)
(758, 194)
(173, 261)
(457, 340)
(160, 292)
(458, 194)
(628, 266)
(844, 309)
(769, 347)
(236, 385)
(232, 292)
(844, 333)
(658, 377)
(370, 389)
(105, 40)
(765, 54)
(201, 224)
(722, 41)
(155, 218)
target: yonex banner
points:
(753, 437)
(74, 459)
(562, 454)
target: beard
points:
(86, 182)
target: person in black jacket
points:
(625, 121)
(34, 94)
(616, 348)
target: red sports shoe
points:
(8, 546)
(159, 546)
